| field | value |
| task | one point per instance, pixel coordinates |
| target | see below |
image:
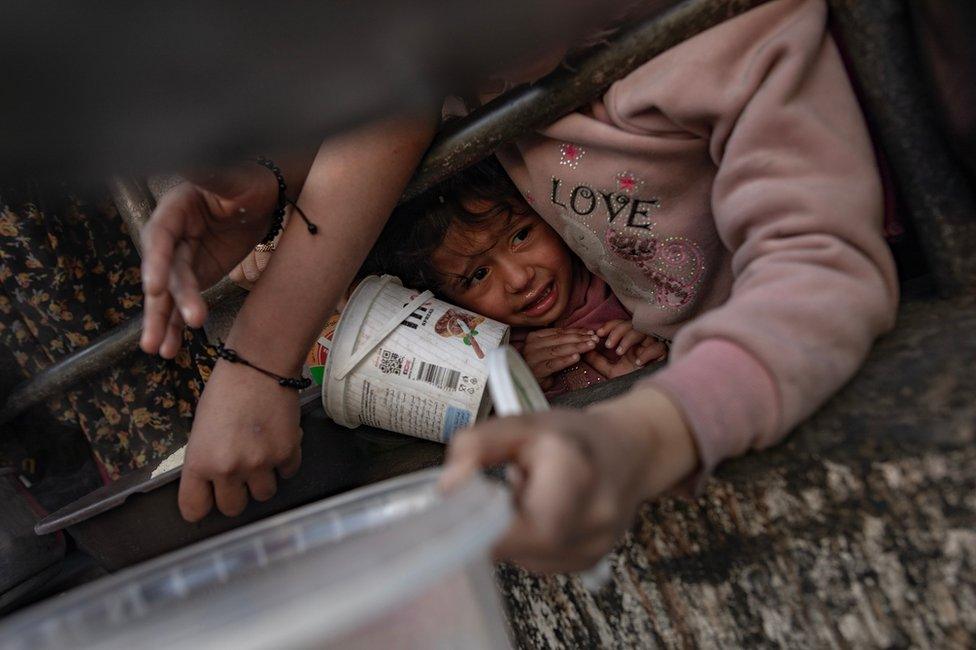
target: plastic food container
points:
(396, 564)
(405, 361)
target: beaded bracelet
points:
(278, 216)
(231, 355)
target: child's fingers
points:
(548, 357)
(156, 316)
(607, 327)
(564, 339)
(650, 350)
(556, 331)
(184, 287)
(607, 368)
(617, 333)
(548, 367)
(196, 496)
(599, 363)
(262, 485)
(558, 346)
(629, 340)
(160, 237)
(291, 465)
(561, 349)
(173, 339)
(491, 443)
(550, 342)
(558, 480)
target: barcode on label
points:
(444, 378)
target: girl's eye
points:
(479, 274)
(521, 235)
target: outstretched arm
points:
(246, 426)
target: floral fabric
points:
(68, 274)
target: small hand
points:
(246, 428)
(579, 475)
(610, 369)
(196, 234)
(621, 337)
(549, 351)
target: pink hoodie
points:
(728, 193)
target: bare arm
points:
(246, 426)
(352, 187)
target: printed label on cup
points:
(425, 378)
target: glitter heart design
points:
(629, 246)
(673, 266)
(668, 292)
(677, 258)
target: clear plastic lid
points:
(305, 576)
(514, 390)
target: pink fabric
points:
(712, 414)
(728, 192)
(591, 305)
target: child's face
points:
(520, 274)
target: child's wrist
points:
(651, 416)
(268, 342)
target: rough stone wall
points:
(859, 531)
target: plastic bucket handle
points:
(392, 324)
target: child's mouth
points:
(543, 301)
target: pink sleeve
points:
(798, 200)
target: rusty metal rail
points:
(135, 204)
(106, 351)
(529, 107)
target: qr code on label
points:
(390, 363)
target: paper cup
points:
(407, 362)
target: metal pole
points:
(530, 107)
(106, 351)
(135, 204)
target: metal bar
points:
(473, 139)
(105, 352)
(135, 204)
(932, 185)
(531, 107)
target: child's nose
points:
(518, 277)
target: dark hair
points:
(417, 228)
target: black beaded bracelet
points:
(228, 354)
(278, 216)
